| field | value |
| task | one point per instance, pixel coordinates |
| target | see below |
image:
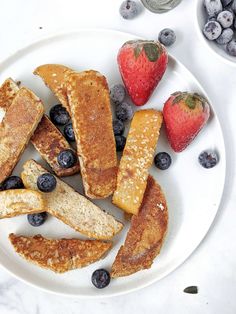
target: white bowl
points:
(201, 20)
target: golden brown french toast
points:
(8, 92)
(89, 101)
(55, 76)
(59, 255)
(136, 160)
(146, 234)
(16, 129)
(49, 142)
(71, 207)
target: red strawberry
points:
(142, 64)
(184, 114)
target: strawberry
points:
(184, 114)
(142, 64)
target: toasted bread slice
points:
(54, 76)
(89, 101)
(16, 129)
(72, 208)
(8, 91)
(59, 255)
(146, 234)
(136, 160)
(49, 142)
(19, 202)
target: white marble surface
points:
(212, 266)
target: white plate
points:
(193, 193)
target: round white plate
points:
(193, 193)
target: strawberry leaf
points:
(190, 101)
(178, 99)
(151, 51)
(137, 51)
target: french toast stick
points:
(146, 234)
(19, 202)
(54, 77)
(71, 207)
(59, 255)
(8, 91)
(91, 115)
(16, 129)
(136, 160)
(49, 142)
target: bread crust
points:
(8, 91)
(16, 129)
(89, 101)
(59, 255)
(146, 234)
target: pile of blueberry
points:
(123, 112)
(221, 24)
(60, 117)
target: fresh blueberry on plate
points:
(37, 220)
(118, 127)
(124, 112)
(120, 143)
(117, 93)
(67, 158)
(59, 115)
(69, 132)
(162, 161)
(13, 182)
(129, 9)
(208, 159)
(46, 182)
(167, 37)
(101, 278)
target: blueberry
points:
(124, 111)
(212, 30)
(59, 115)
(233, 6)
(231, 47)
(167, 37)
(12, 182)
(225, 18)
(162, 161)
(129, 9)
(101, 278)
(208, 159)
(225, 2)
(69, 132)
(118, 127)
(117, 93)
(225, 37)
(46, 182)
(37, 220)
(213, 7)
(67, 158)
(120, 142)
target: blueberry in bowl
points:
(101, 278)
(69, 132)
(37, 220)
(12, 182)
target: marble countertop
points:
(212, 266)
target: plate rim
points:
(56, 35)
